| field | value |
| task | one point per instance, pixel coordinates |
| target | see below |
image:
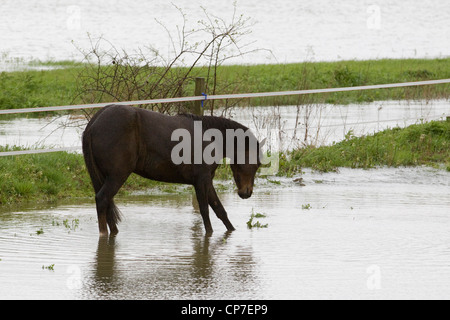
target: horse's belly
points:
(163, 171)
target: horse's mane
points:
(220, 123)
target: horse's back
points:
(111, 124)
(113, 137)
(128, 139)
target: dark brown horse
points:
(120, 140)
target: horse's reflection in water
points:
(116, 276)
(105, 259)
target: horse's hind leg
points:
(101, 216)
(218, 208)
(107, 212)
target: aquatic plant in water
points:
(49, 267)
(257, 224)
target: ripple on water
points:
(393, 221)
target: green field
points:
(59, 86)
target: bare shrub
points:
(112, 74)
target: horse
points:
(120, 140)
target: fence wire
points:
(204, 97)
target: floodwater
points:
(293, 126)
(290, 30)
(356, 234)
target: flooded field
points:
(294, 126)
(356, 234)
(293, 31)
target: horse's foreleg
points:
(201, 191)
(218, 208)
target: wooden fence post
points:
(200, 88)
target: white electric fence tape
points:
(200, 98)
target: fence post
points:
(200, 88)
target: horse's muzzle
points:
(246, 193)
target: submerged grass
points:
(58, 86)
(257, 224)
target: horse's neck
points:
(222, 124)
(231, 148)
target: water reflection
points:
(105, 259)
(208, 268)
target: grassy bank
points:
(53, 176)
(29, 89)
(420, 144)
(61, 175)
(59, 86)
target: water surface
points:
(374, 234)
(292, 126)
(289, 30)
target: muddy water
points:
(373, 234)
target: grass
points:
(419, 144)
(257, 224)
(33, 88)
(53, 176)
(50, 267)
(29, 89)
(41, 177)
(284, 77)
(73, 225)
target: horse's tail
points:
(97, 177)
(113, 214)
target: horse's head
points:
(245, 165)
(244, 176)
